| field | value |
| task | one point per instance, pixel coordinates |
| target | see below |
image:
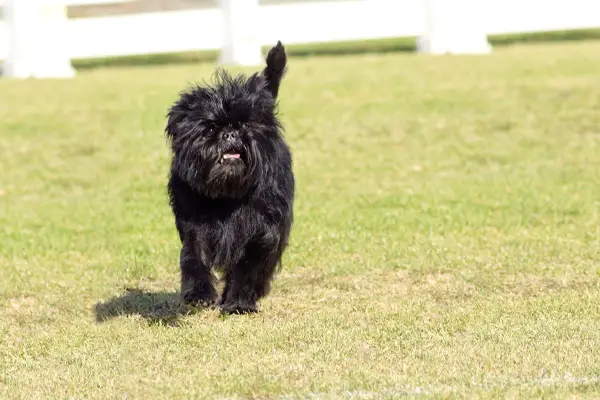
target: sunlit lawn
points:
(446, 238)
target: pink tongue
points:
(226, 156)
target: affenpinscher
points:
(231, 186)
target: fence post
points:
(37, 44)
(241, 44)
(453, 26)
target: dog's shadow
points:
(163, 308)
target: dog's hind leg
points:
(197, 280)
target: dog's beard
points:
(222, 170)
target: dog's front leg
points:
(197, 280)
(250, 279)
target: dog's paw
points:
(238, 308)
(205, 296)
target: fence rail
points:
(308, 22)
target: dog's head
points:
(224, 135)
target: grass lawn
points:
(447, 235)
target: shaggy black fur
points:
(231, 186)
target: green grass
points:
(447, 235)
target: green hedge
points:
(406, 44)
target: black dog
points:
(231, 186)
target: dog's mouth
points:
(231, 152)
(230, 157)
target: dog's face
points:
(223, 136)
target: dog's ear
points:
(176, 117)
(276, 68)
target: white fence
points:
(246, 24)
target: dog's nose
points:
(230, 135)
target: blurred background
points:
(97, 32)
(96, 8)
